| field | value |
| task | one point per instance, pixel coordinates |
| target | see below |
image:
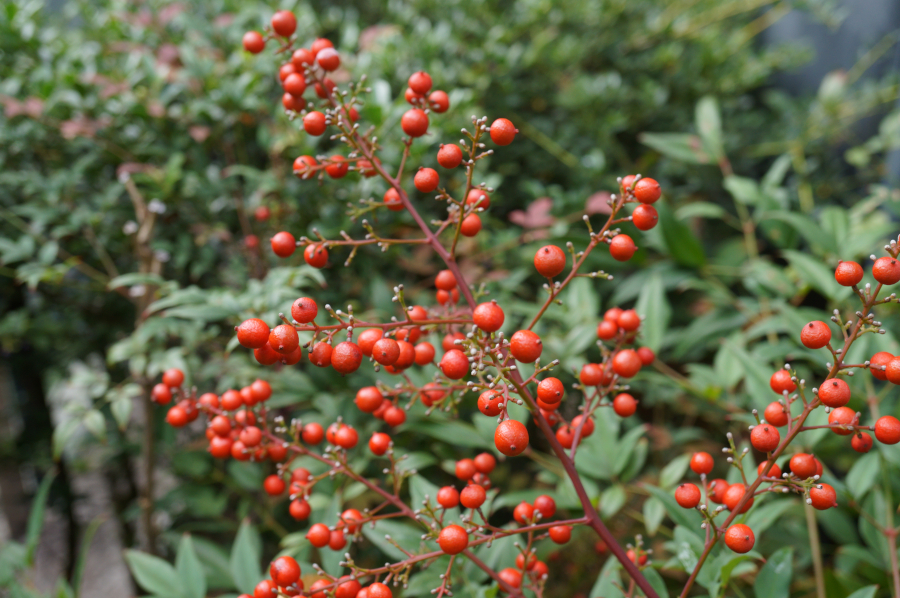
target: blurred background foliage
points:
(137, 140)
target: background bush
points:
(136, 140)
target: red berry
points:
(465, 469)
(426, 180)
(861, 442)
(701, 462)
(733, 496)
(284, 338)
(470, 226)
(439, 101)
(647, 355)
(765, 438)
(687, 495)
(879, 360)
(284, 571)
(251, 241)
(299, 509)
(285, 70)
(265, 589)
(449, 341)
(522, 565)
(379, 443)
(267, 355)
(560, 534)
(420, 82)
(173, 378)
(622, 248)
(346, 437)
(511, 576)
(886, 270)
(848, 273)
(489, 403)
(252, 333)
(394, 416)
(887, 429)
(302, 58)
(803, 465)
(445, 280)
(392, 200)
(525, 346)
(739, 538)
(326, 90)
(644, 217)
(607, 330)
(378, 590)
(320, 356)
(775, 472)
(834, 393)
(628, 320)
(550, 390)
(549, 261)
(624, 405)
(822, 497)
(367, 340)
(776, 414)
(612, 314)
(303, 166)
(283, 244)
(414, 123)
(412, 97)
(319, 45)
(453, 539)
(626, 363)
(346, 357)
(472, 496)
(545, 505)
(424, 353)
(329, 59)
(843, 416)
(274, 485)
(316, 255)
(479, 198)
(177, 417)
(523, 513)
(338, 167)
(892, 371)
(488, 316)
(219, 447)
(591, 374)
(304, 310)
(262, 213)
(254, 42)
(511, 437)
(314, 123)
(295, 84)
(284, 23)
(448, 497)
(449, 155)
(454, 364)
(815, 335)
(717, 490)
(386, 351)
(781, 382)
(503, 131)
(647, 191)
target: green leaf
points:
(802, 223)
(190, 572)
(462, 434)
(245, 558)
(121, 411)
(133, 278)
(688, 519)
(709, 125)
(612, 499)
(47, 253)
(816, 274)
(654, 308)
(36, 517)
(688, 548)
(61, 435)
(625, 446)
(763, 516)
(673, 473)
(608, 584)
(94, 422)
(680, 146)
(683, 245)
(154, 574)
(863, 474)
(743, 189)
(656, 582)
(654, 512)
(700, 209)
(774, 579)
(866, 592)
(403, 534)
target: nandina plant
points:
(510, 378)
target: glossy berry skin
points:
(511, 438)
(177, 417)
(304, 310)
(848, 273)
(426, 180)
(525, 346)
(488, 316)
(781, 381)
(424, 353)
(338, 167)
(550, 390)
(420, 82)
(303, 166)
(733, 496)
(445, 280)
(347, 588)
(449, 155)
(284, 23)
(252, 333)
(173, 378)
(523, 513)
(892, 371)
(815, 335)
(386, 351)
(624, 405)
(465, 469)
(284, 338)
(328, 59)
(471, 225)
(861, 442)
(718, 488)
(439, 101)
(367, 339)
(253, 42)
(295, 85)
(591, 374)
(368, 399)
(644, 217)
(647, 355)
(886, 270)
(284, 571)
(626, 363)
(545, 505)
(299, 509)
(607, 330)
(379, 443)
(318, 535)
(265, 589)
(549, 261)
(765, 438)
(822, 497)
(315, 255)
(454, 364)
(887, 429)
(392, 200)
(489, 403)
(503, 132)
(346, 357)
(414, 123)
(701, 462)
(485, 463)
(283, 244)
(834, 393)
(472, 496)
(775, 472)
(687, 495)
(448, 497)
(803, 465)
(453, 539)
(479, 198)
(378, 590)
(843, 416)
(647, 191)
(274, 485)
(314, 123)
(628, 320)
(621, 248)
(880, 359)
(775, 414)
(740, 538)
(302, 58)
(560, 534)
(319, 45)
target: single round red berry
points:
(511, 437)
(449, 155)
(346, 357)
(781, 382)
(549, 261)
(886, 270)
(624, 405)
(304, 310)
(314, 123)
(284, 23)
(803, 465)
(284, 338)
(525, 346)
(426, 180)
(545, 505)
(607, 330)
(775, 472)
(367, 340)
(283, 244)
(591, 374)
(892, 371)
(887, 429)
(626, 363)
(173, 378)
(644, 217)
(489, 403)
(253, 334)
(386, 351)
(471, 225)
(303, 166)
(454, 364)
(338, 167)
(739, 538)
(284, 571)
(392, 200)
(274, 485)
(647, 355)
(316, 255)
(701, 463)
(177, 417)
(848, 273)
(414, 123)
(472, 496)
(424, 353)
(733, 496)
(329, 59)
(560, 534)
(420, 82)
(488, 316)
(622, 248)
(628, 320)
(687, 495)
(822, 497)
(254, 42)
(834, 393)
(861, 442)
(485, 463)
(647, 191)
(765, 438)
(776, 414)
(503, 132)
(815, 335)
(550, 390)
(465, 469)
(377, 590)
(295, 84)
(320, 44)
(453, 539)
(302, 58)
(523, 513)
(879, 360)
(448, 497)
(439, 101)
(842, 416)
(479, 198)
(511, 577)
(717, 490)
(379, 443)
